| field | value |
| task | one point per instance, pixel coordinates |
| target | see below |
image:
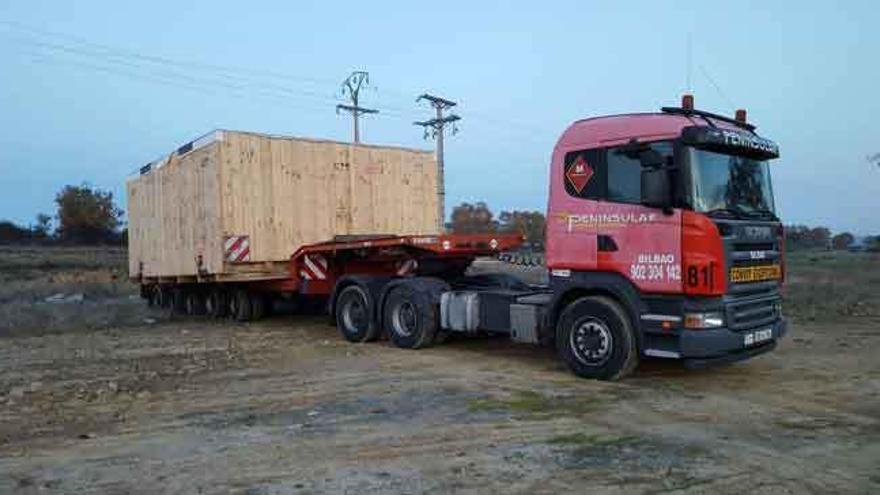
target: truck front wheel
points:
(595, 338)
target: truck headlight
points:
(712, 319)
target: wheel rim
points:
(591, 341)
(155, 297)
(403, 319)
(354, 315)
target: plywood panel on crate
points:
(281, 192)
(173, 217)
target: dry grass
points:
(31, 274)
(826, 285)
(820, 286)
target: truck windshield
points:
(730, 184)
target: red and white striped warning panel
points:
(237, 248)
(314, 267)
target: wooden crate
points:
(236, 205)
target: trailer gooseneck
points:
(662, 241)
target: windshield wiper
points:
(728, 212)
(762, 214)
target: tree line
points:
(84, 215)
(88, 215)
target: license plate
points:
(756, 337)
(755, 273)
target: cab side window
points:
(624, 177)
(614, 175)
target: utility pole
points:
(434, 128)
(351, 87)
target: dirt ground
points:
(176, 405)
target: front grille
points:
(753, 246)
(752, 313)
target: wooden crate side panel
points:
(173, 217)
(278, 192)
(395, 191)
(284, 193)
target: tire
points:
(595, 338)
(195, 303)
(217, 303)
(240, 306)
(164, 297)
(154, 297)
(410, 317)
(354, 315)
(258, 306)
(178, 301)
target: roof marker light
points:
(741, 115)
(687, 102)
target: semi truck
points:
(662, 241)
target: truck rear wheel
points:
(217, 303)
(410, 317)
(595, 338)
(354, 315)
(240, 305)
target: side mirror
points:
(656, 190)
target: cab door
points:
(576, 185)
(640, 243)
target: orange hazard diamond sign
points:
(579, 173)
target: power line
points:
(189, 64)
(250, 77)
(226, 80)
(717, 87)
(179, 81)
(187, 75)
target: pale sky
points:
(89, 91)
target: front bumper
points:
(703, 348)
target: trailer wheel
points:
(258, 305)
(195, 303)
(217, 303)
(354, 315)
(410, 317)
(163, 297)
(240, 305)
(178, 301)
(595, 338)
(154, 299)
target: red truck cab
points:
(672, 215)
